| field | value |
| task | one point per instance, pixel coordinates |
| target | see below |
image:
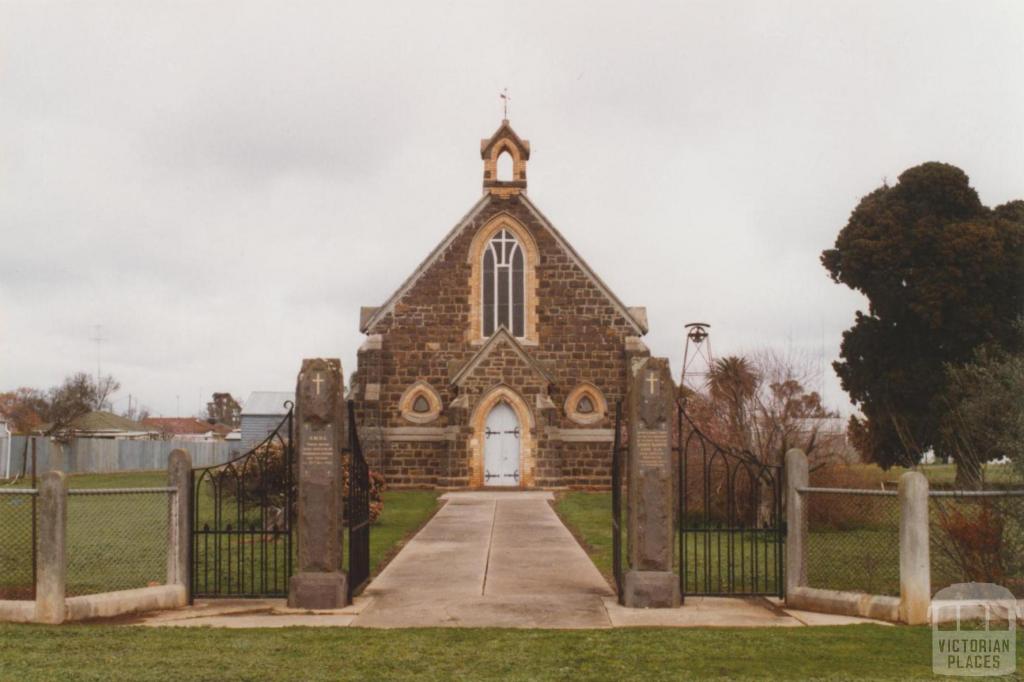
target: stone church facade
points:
(499, 361)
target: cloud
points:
(221, 186)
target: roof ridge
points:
(421, 268)
(562, 241)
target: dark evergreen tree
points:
(943, 275)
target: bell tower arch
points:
(504, 142)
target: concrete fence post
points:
(51, 558)
(915, 568)
(179, 520)
(796, 520)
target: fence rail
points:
(976, 493)
(849, 491)
(120, 491)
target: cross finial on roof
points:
(505, 99)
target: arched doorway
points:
(502, 438)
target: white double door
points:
(501, 447)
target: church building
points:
(499, 361)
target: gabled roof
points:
(582, 264)
(501, 336)
(469, 219)
(504, 131)
(381, 311)
(102, 422)
(185, 426)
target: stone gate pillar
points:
(650, 580)
(320, 431)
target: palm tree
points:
(733, 383)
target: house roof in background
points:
(185, 425)
(267, 403)
(100, 421)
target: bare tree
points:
(78, 395)
(761, 404)
(105, 387)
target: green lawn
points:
(119, 541)
(123, 652)
(588, 516)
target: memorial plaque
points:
(319, 582)
(650, 580)
(651, 447)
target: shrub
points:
(979, 540)
(263, 476)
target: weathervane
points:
(505, 99)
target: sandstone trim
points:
(501, 336)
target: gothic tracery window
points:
(503, 286)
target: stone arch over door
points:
(528, 443)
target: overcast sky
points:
(222, 185)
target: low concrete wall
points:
(51, 605)
(844, 603)
(17, 611)
(110, 604)
(105, 605)
(945, 611)
(915, 579)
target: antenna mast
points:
(98, 338)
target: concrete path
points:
(492, 560)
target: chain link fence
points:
(117, 538)
(853, 540)
(977, 537)
(17, 543)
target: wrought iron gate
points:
(731, 537)
(617, 502)
(357, 509)
(242, 517)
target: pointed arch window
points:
(503, 285)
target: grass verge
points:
(112, 652)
